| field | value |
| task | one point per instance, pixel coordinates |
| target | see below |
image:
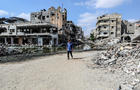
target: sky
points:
(82, 12)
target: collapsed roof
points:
(12, 20)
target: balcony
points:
(103, 24)
(103, 18)
(8, 34)
(20, 33)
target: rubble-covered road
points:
(57, 73)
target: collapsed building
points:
(72, 32)
(136, 35)
(127, 31)
(130, 31)
(46, 27)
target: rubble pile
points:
(9, 51)
(106, 43)
(124, 59)
(2, 50)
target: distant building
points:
(136, 37)
(127, 31)
(28, 33)
(71, 31)
(130, 31)
(58, 17)
(54, 16)
(108, 25)
(46, 27)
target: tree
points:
(92, 37)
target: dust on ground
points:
(57, 73)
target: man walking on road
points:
(69, 49)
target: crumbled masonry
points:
(125, 59)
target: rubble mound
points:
(125, 59)
(106, 42)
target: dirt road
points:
(57, 73)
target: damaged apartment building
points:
(46, 27)
(130, 31)
(23, 33)
(108, 25)
(58, 17)
(72, 32)
(112, 26)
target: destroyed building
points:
(130, 31)
(112, 26)
(54, 16)
(108, 25)
(136, 36)
(127, 30)
(71, 31)
(28, 33)
(46, 27)
(58, 17)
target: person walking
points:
(69, 49)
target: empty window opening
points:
(130, 25)
(105, 32)
(52, 14)
(47, 16)
(112, 32)
(43, 17)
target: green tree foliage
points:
(92, 37)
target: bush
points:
(46, 50)
(60, 48)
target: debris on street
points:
(125, 59)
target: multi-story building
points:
(71, 31)
(29, 33)
(136, 36)
(54, 16)
(108, 25)
(45, 28)
(127, 31)
(130, 31)
(58, 17)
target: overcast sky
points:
(82, 12)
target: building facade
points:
(54, 16)
(70, 31)
(28, 34)
(112, 26)
(108, 25)
(46, 27)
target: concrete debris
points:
(108, 42)
(2, 50)
(125, 59)
(86, 47)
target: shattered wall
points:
(54, 16)
(108, 25)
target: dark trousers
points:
(69, 52)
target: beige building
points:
(54, 16)
(108, 25)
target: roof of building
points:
(12, 20)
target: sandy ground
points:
(57, 73)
